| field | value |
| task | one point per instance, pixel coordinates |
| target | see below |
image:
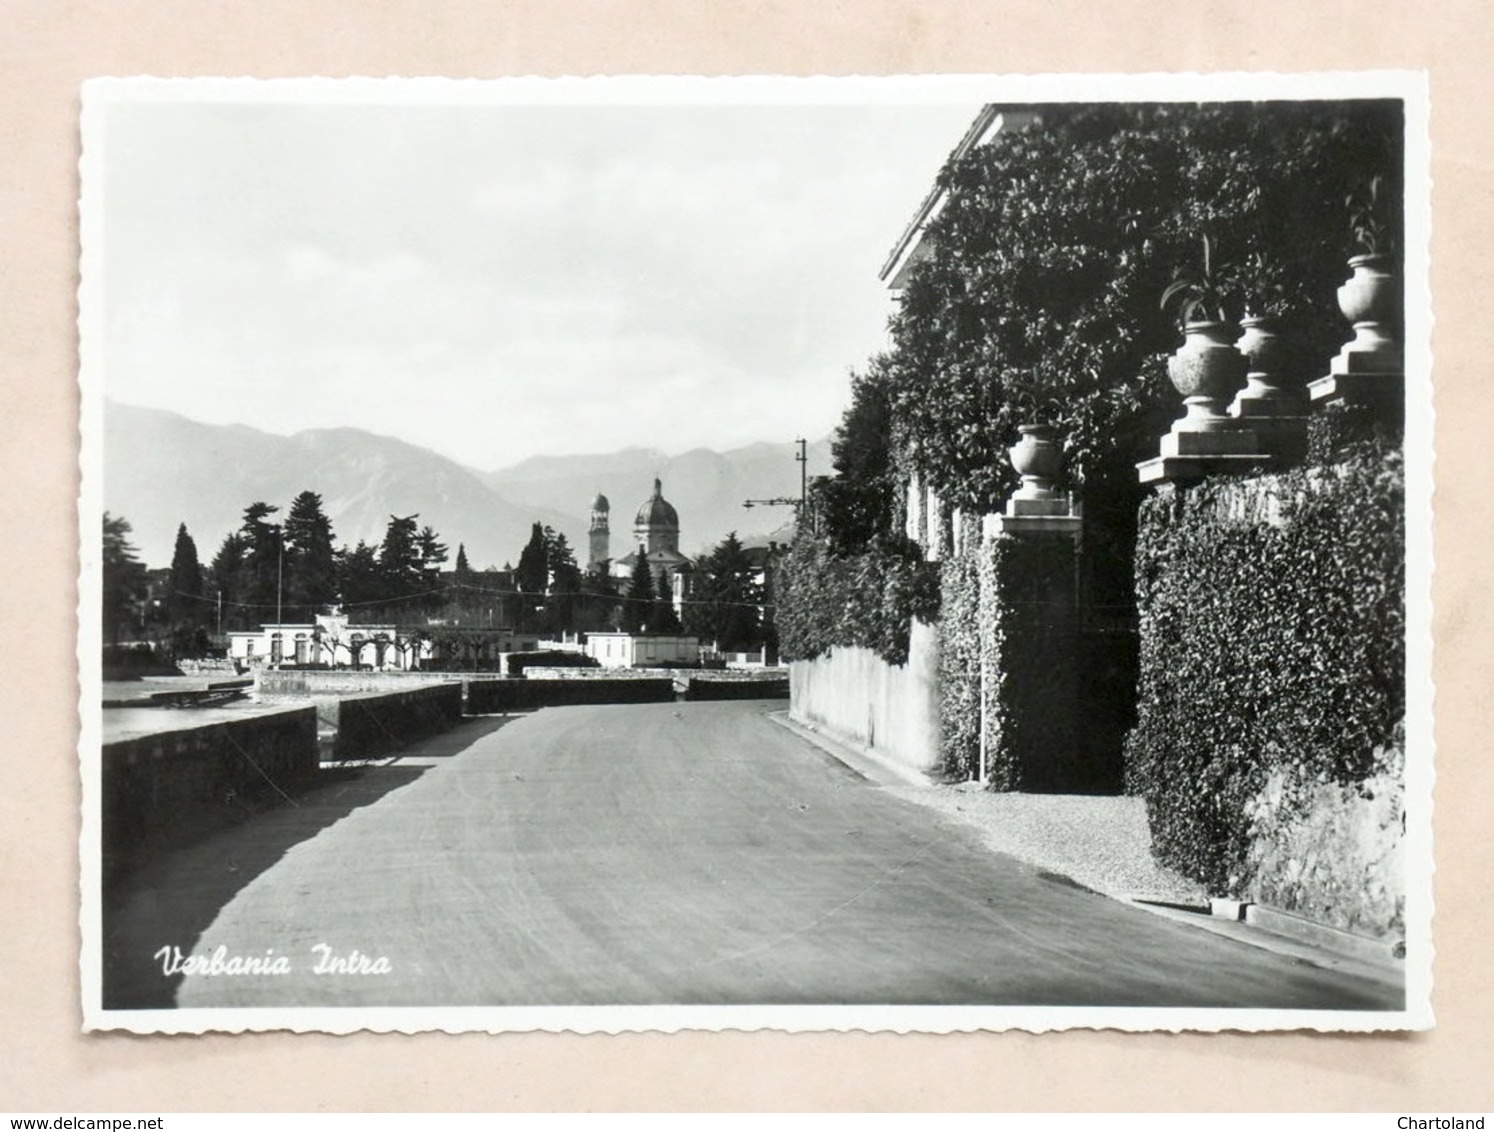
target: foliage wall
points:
(960, 635)
(869, 598)
(1032, 698)
(1039, 300)
(1303, 575)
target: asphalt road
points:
(653, 854)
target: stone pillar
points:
(1273, 404)
(913, 526)
(1029, 665)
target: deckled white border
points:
(1409, 86)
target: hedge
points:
(1272, 638)
(867, 599)
(960, 639)
(1032, 698)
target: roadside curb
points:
(1252, 924)
(1379, 967)
(868, 764)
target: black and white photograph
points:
(917, 554)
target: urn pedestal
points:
(1038, 459)
(1274, 402)
(1371, 368)
(1030, 656)
(1207, 370)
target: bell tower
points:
(600, 538)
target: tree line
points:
(288, 570)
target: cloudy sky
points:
(496, 281)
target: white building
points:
(636, 650)
(331, 641)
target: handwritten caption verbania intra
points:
(322, 959)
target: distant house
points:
(639, 650)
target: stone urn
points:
(1371, 300)
(1038, 459)
(1207, 370)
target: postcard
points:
(660, 553)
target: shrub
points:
(517, 662)
(867, 599)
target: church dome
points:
(600, 503)
(657, 511)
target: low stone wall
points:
(369, 726)
(272, 682)
(855, 695)
(543, 672)
(775, 688)
(484, 697)
(1331, 852)
(172, 787)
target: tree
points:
(858, 503)
(726, 600)
(187, 610)
(260, 580)
(641, 594)
(310, 574)
(184, 594)
(433, 553)
(360, 580)
(564, 589)
(226, 578)
(123, 579)
(662, 617)
(599, 606)
(532, 575)
(401, 565)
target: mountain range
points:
(162, 469)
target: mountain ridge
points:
(162, 468)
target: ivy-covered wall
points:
(1032, 703)
(1272, 615)
(866, 599)
(960, 637)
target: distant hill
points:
(707, 488)
(161, 469)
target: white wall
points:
(859, 698)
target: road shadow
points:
(171, 899)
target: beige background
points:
(47, 48)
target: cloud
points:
(498, 278)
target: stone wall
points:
(775, 688)
(485, 697)
(891, 710)
(370, 726)
(291, 682)
(1271, 700)
(172, 787)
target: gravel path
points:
(1103, 843)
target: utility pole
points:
(801, 457)
(279, 595)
